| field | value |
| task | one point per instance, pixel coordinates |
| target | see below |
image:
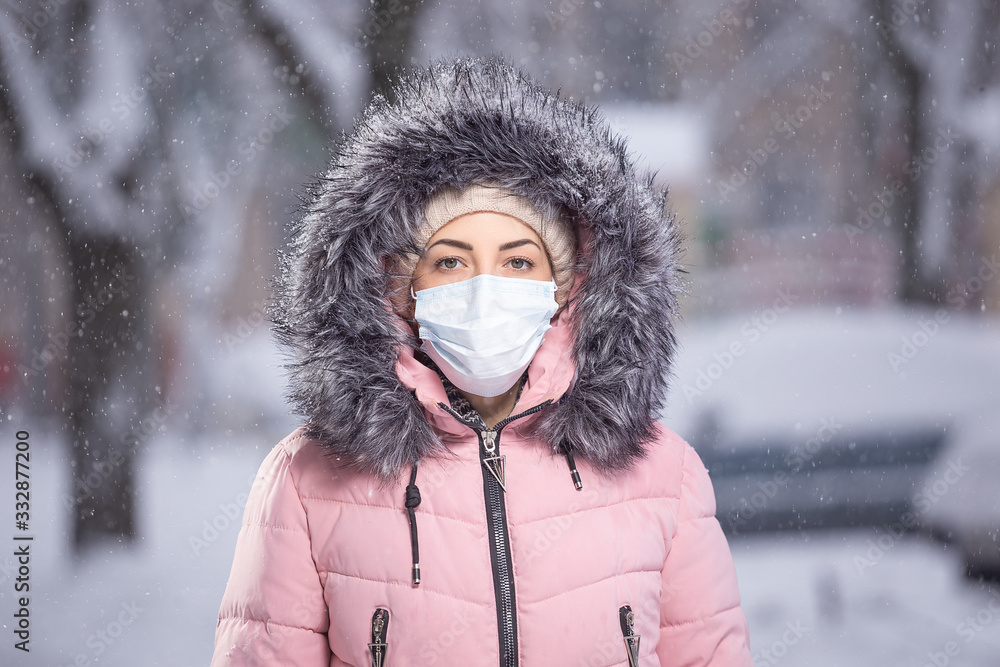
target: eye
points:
(448, 263)
(520, 263)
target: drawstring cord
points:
(568, 450)
(412, 500)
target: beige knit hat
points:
(549, 223)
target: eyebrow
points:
(453, 243)
(517, 244)
(465, 246)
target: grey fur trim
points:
(472, 122)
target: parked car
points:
(834, 478)
(959, 500)
(828, 417)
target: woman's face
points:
(478, 243)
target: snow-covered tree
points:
(943, 61)
(140, 127)
(86, 85)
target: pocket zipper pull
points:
(627, 619)
(380, 629)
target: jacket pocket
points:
(627, 619)
(380, 632)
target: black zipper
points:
(627, 619)
(380, 630)
(496, 518)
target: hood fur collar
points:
(460, 123)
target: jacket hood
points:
(459, 123)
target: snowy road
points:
(861, 598)
(864, 598)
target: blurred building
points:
(807, 160)
(771, 122)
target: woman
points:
(479, 305)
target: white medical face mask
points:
(483, 332)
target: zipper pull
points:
(494, 463)
(380, 629)
(627, 619)
(490, 441)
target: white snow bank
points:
(774, 373)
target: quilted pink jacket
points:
(324, 552)
(380, 533)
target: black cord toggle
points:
(412, 500)
(577, 482)
(412, 496)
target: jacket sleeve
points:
(701, 622)
(273, 611)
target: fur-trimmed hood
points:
(458, 123)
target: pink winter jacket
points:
(631, 568)
(323, 548)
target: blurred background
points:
(836, 166)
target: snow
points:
(799, 366)
(673, 138)
(191, 489)
(168, 587)
(863, 597)
(910, 600)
